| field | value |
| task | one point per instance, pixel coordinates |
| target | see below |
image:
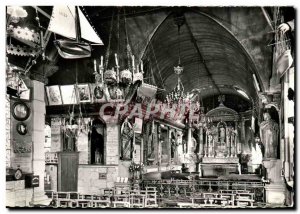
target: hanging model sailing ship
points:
(70, 22)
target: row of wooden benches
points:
(132, 198)
(148, 198)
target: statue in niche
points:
(97, 156)
(127, 137)
(269, 136)
(233, 141)
(215, 139)
(222, 135)
(214, 133)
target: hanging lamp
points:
(177, 94)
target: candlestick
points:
(132, 60)
(142, 66)
(101, 61)
(116, 58)
(101, 72)
(95, 68)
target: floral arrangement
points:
(135, 167)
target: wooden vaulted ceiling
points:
(213, 59)
(221, 47)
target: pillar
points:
(38, 138)
(158, 148)
(200, 141)
(206, 146)
(189, 138)
(111, 140)
(275, 190)
(235, 138)
(243, 136)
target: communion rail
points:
(184, 188)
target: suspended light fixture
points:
(177, 94)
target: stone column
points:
(111, 140)
(158, 148)
(189, 139)
(206, 145)
(243, 137)
(38, 138)
(275, 190)
(200, 141)
(235, 138)
(213, 148)
(142, 150)
(230, 146)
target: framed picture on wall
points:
(84, 94)
(68, 94)
(53, 94)
(23, 91)
(25, 95)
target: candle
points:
(101, 73)
(133, 61)
(101, 61)
(142, 66)
(116, 58)
(95, 68)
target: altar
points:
(220, 146)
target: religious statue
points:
(127, 137)
(222, 135)
(269, 136)
(173, 145)
(214, 132)
(97, 156)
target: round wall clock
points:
(22, 128)
(20, 111)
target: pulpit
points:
(220, 145)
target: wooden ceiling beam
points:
(42, 12)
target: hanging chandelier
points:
(177, 94)
(114, 82)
